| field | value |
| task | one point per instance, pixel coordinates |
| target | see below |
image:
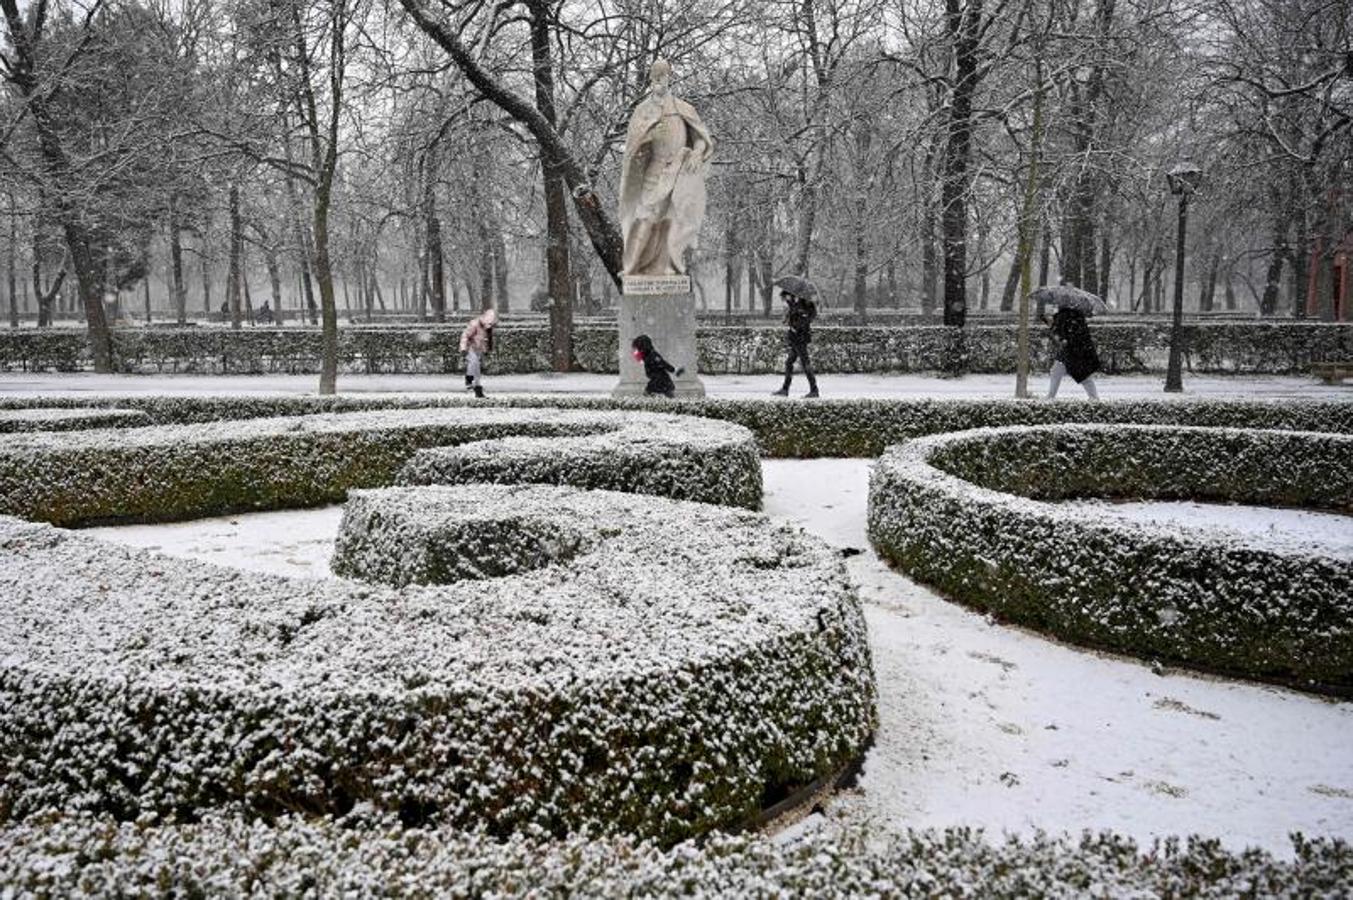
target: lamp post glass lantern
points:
(1183, 180)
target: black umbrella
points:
(1067, 296)
(797, 285)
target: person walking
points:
(476, 342)
(658, 370)
(800, 311)
(1073, 352)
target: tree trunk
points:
(1024, 251)
(233, 267)
(963, 20)
(13, 254)
(929, 260)
(1208, 289)
(274, 281)
(248, 298)
(559, 283)
(809, 177)
(206, 285)
(1011, 284)
(1268, 304)
(328, 379)
(766, 281)
(1300, 270)
(368, 295)
(1045, 256)
(176, 263)
(861, 286)
(145, 286)
(486, 279)
(1105, 261)
(436, 276)
(500, 268)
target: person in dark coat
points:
(656, 369)
(799, 315)
(1073, 352)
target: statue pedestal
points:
(662, 307)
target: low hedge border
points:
(823, 428)
(691, 664)
(223, 856)
(1253, 347)
(944, 509)
(40, 419)
(188, 471)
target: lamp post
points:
(1183, 180)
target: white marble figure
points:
(662, 179)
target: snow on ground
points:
(295, 542)
(986, 725)
(738, 386)
(990, 725)
(1282, 530)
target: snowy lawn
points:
(991, 726)
(899, 386)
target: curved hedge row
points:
(185, 471)
(685, 666)
(784, 430)
(228, 857)
(945, 510)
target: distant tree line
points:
(433, 155)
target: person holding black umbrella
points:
(1073, 349)
(800, 311)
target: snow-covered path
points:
(991, 725)
(899, 386)
(988, 725)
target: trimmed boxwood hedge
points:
(688, 664)
(945, 510)
(188, 471)
(1251, 347)
(824, 428)
(71, 419)
(221, 856)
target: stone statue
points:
(662, 180)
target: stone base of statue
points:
(662, 307)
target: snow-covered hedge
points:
(681, 457)
(1252, 347)
(688, 664)
(70, 419)
(783, 430)
(297, 858)
(964, 512)
(186, 471)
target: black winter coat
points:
(656, 369)
(1073, 345)
(799, 317)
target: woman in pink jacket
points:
(475, 341)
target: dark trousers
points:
(800, 352)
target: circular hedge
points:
(187, 471)
(680, 667)
(964, 512)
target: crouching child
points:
(658, 370)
